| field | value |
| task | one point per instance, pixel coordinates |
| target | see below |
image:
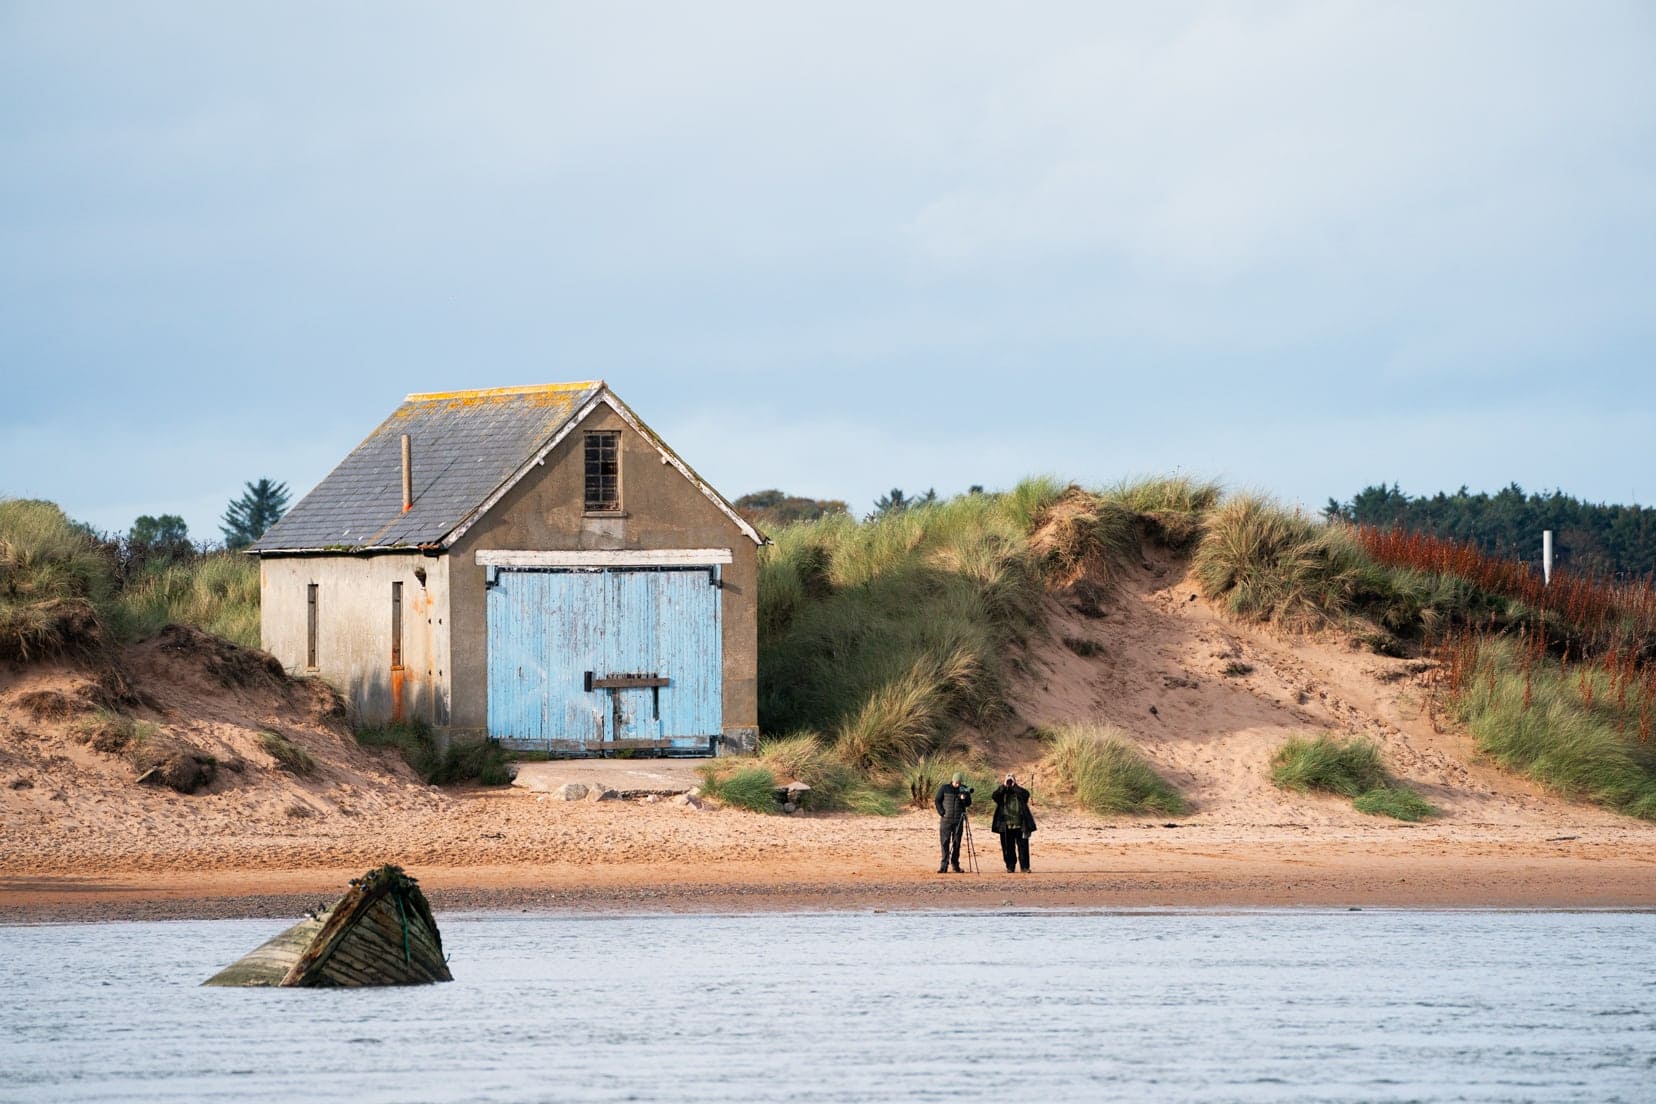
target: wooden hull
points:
(380, 933)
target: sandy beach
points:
(516, 850)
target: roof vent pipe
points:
(408, 475)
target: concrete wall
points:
(662, 510)
(354, 629)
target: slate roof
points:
(468, 446)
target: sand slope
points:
(1226, 695)
(65, 806)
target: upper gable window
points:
(603, 471)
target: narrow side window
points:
(396, 624)
(603, 471)
(310, 626)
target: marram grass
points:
(1328, 764)
(289, 756)
(463, 760)
(1580, 750)
(1395, 802)
(58, 592)
(218, 593)
(881, 632)
(1106, 773)
(750, 787)
(835, 784)
(55, 587)
(1349, 768)
(1269, 564)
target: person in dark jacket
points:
(953, 799)
(1014, 820)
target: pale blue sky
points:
(1301, 248)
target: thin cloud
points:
(954, 243)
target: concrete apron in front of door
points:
(629, 777)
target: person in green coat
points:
(1015, 821)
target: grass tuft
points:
(1539, 723)
(65, 591)
(1328, 764)
(55, 586)
(871, 801)
(1271, 564)
(903, 719)
(1084, 536)
(879, 633)
(1396, 802)
(805, 757)
(218, 593)
(289, 756)
(920, 779)
(1107, 774)
(836, 785)
(1173, 509)
(471, 760)
(751, 787)
(162, 759)
(464, 760)
(112, 733)
(1350, 768)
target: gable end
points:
(606, 397)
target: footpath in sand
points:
(78, 839)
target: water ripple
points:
(1249, 1006)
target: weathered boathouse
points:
(532, 563)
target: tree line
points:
(1588, 538)
(774, 508)
(165, 538)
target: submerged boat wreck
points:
(380, 933)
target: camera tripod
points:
(971, 848)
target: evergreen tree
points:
(260, 506)
(895, 502)
(1588, 538)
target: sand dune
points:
(81, 838)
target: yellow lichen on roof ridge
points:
(504, 392)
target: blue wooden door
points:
(584, 661)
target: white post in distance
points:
(1546, 557)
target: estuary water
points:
(1005, 1006)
